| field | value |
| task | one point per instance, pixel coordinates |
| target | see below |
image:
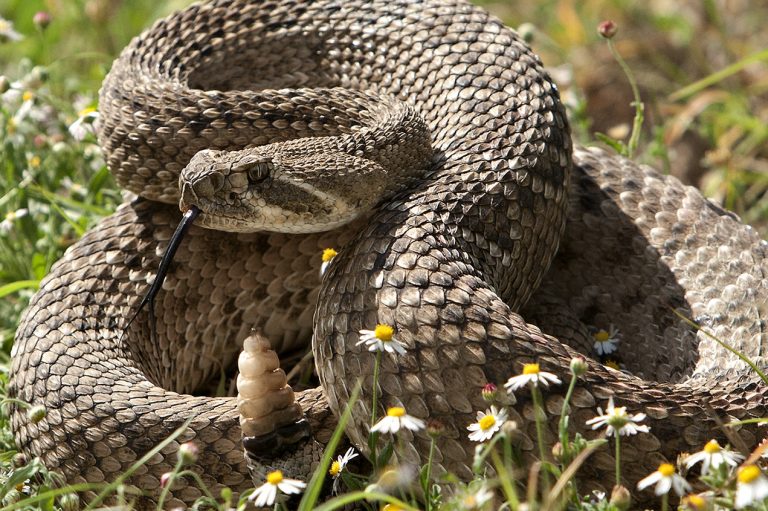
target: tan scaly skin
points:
(448, 253)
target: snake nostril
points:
(188, 194)
(208, 185)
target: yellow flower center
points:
(613, 365)
(470, 502)
(34, 161)
(384, 332)
(329, 254)
(748, 474)
(531, 369)
(487, 422)
(666, 469)
(395, 411)
(335, 468)
(86, 111)
(275, 477)
(712, 447)
(694, 502)
(27, 96)
(601, 336)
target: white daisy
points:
(618, 420)
(695, 502)
(338, 466)
(84, 124)
(533, 375)
(266, 494)
(713, 455)
(381, 339)
(606, 342)
(7, 224)
(397, 418)
(488, 423)
(665, 478)
(751, 486)
(472, 500)
(7, 32)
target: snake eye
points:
(257, 170)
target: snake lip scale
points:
(480, 233)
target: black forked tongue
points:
(186, 221)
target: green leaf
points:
(13, 287)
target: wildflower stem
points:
(374, 400)
(563, 425)
(665, 502)
(171, 480)
(724, 344)
(505, 479)
(637, 123)
(373, 440)
(618, 459)
(538, 411)
(200, 484)
(428, 475)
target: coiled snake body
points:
(450, 251)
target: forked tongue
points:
(186, 221)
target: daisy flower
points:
(488, 423)
(618, 420)
(533, 375)
(475, 499)
(381, 339)
(713, 455)
(606, 341)
(397, 418)
(84, 124)
(328, 255)
(7, 32)
(751, 486)
(665, 478)
(266, 494)
(338, 466)
(7, 224)
(694, 502)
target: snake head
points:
(297, 186)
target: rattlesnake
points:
(446, 256)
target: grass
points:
(701, 72)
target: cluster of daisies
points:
(751, 486)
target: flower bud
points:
(165, 479)
(557, 451)
(19, 460)
(36, 413)
(527, 31)
(42, 19)
(69, 502)
(5, 84)
(188, 452)
(435, 428)
(607, 29)
(578, 366)
(489, 392)
(620, 497)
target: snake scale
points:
(446, 251)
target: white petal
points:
(264, 495)
(291, 486)
(665, 483)
(646, 482)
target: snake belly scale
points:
(448, 255)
